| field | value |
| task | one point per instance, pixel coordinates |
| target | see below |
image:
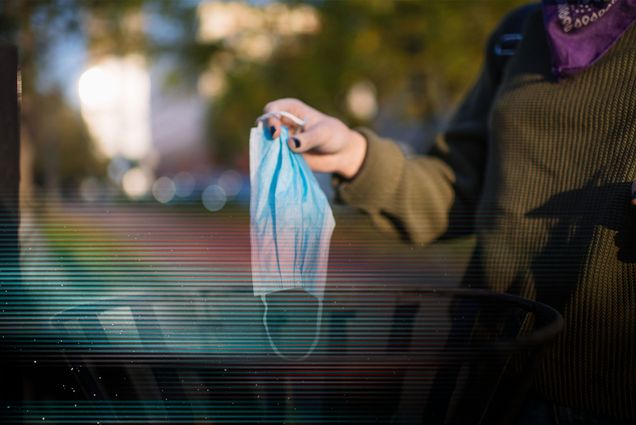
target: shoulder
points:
(503, 41)
(515, 19)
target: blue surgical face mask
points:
(290, 221)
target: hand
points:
(327, 144)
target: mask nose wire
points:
(298, 122)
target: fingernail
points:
(296, 142)
(272, 130)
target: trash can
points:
(148, 359)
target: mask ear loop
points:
(313, 344)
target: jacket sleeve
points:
(422, 198)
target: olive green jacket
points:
(539, 169)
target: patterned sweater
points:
(540, 170)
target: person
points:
(537, 162)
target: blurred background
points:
(153, 100)
(135, 119)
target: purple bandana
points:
(581, 31)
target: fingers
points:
(293, 106)
(307, 140)
(272, 124)
(321, 163)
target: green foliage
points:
(64, 142)
(424, 53)
(62, 148)
(420, 55)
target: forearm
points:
(407, 197)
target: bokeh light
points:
(115, 101)
(254, 32)
(212, 82)
(214, 198)
(97, 88)
(184, 184)
(136, 182)
(362, 100)
(90, 189)
(163, 189)
(231, 182)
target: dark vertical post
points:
(9, 215)
(9, 160)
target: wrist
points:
(353, 156)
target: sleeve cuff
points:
(378, 177)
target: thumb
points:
(307, 140)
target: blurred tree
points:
(416, 57)
(73, 157)
(420, 57)
(55, 141)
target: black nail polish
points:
(296, 142)
(272, 130)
